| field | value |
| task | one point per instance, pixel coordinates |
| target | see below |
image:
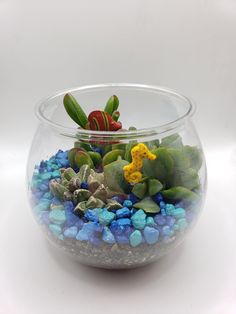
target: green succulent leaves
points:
(112, 106)
(162, 167)
(180, 193)
(75, 111)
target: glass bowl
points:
(117, 199)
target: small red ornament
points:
(101, 121)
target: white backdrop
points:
(187, 45)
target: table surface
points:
(187, 45)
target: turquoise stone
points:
(135, 238)
(139, 219)
(57, 216)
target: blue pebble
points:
(55, 229)
(182, 222)
(158, 197)
(91, 215)
(163, 211)
(107, 236)
(86, 232)
(123, 212)
(151, 235)
(56, 174)
(44, 187)
(63, 162)
(55, 201)
(95, 240)
(57, 216)
(105, 217)
(79, 223)
(162, 204)
(71, 232)
(170, 220)
(178, 212)
(69, 206)
(48, 195)
(84, 185)
(122, 239)
(46, 176)
(127, 203)
(169, 209)
(159, 219)
(38, 194)
(128, 230)
(71, 219)
(123, 222)
(133, 198)
(175, 227)
(139, 219)
(116, 229)
(150, 221)
(62, 155)
(118, 199)
(135, 238)
(166, 231)
(44, 204)
(133, 211)
(45, 218)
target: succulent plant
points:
(112, 156)
(180, 193)
(75, 111)
(114, 176)
(78, 157)
(148, 205)
(112, 105)
(71, 188)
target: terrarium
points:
(116, 173)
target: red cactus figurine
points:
(101, 121)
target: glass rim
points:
(72, 131)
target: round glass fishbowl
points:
(111, 194)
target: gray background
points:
(187, 45)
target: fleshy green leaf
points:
(180, 193)
(114, 176)
(112, 104)
(172, 141)
(161, 168)
(83, 158)
(154, 186)
(129, 146)
(96, 157)
(194, 155)
(181, 162)
(140, 189)
(187, 178)
(75, 111)
(148, 205)
(112, 156)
